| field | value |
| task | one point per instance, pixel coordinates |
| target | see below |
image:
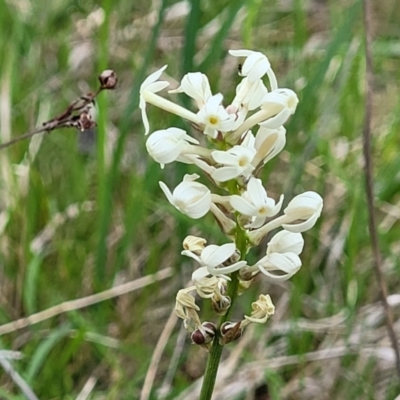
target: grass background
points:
(76, 220)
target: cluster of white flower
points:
(247, 210)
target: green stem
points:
(214, 356)
(210, 376)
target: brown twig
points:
(377, 258)
(76, 115)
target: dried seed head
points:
(85, 121)
(108, 79)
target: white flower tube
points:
(190, 198)
(276, 108)
(269, 143)
(196, 86)
(166, 145)
(286, 242)
(279, 267)
(282, 104)
(249, 94)
(151, 85)
(255, 66)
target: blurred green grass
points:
(52, 53)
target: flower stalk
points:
(228, 153)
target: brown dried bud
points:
(198, 337)
(210, 328)
(230, 331)
(108, 79)
(204, 334)
(85, 121)
(221, 304)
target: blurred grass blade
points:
(39, 357)
(215, 52)
(106, 205)
(31, 284)
(307, 110)
(252, 7)
(192, 26)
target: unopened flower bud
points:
(189, 197)
(305, 207)
(108, 79)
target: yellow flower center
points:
(213, 120)
(243, 162)
(262, 210)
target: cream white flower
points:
(281, 104)
(196, 86)
(235, 162)
(186, 308)
(209, 286)
(282, 259)
(263, 308)
(189, 197)
(166, 145)
(256, 203)
(205, 284)
(279, 266)
(286, 242)
(306, 207)
(249, 94)
(255, 66)
(214, 117)
(194, 243)
(212, 258)
(268, 143)
(152, 85)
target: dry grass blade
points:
(155, 360)
(17, 379)
(85, 301)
